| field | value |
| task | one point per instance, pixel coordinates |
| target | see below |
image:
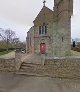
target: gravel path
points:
(31, 58)
(19, 83)
(8, 56)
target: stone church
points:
(51, 33)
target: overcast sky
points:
(19, 15)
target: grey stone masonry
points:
(11, 65)
(58, 30)
(7, 65)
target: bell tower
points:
(63, 10)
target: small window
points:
(62, 39)
(40, 30)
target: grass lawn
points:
(4, 52)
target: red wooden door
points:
(42, 48)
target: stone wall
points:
(18, 60)
(11, 65)
(57, 68)
(30, 41)
(64, 68)
(7, 65)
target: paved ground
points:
(75, 53)
(31, 58)
(19, 83)
(8, 56)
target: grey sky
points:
(19, 15)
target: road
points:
(20, 83)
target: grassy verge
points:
(4, 52)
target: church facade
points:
(51, 33)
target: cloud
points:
(21, 11)
(20, 14)
(76, 20)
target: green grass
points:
(4, 52)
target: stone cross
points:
(44, 3)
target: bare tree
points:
(16, 42)
(9, 36)
(2, 34)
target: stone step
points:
(24, 63)
(29, 74)
(27, 64)
(31, 68)
(26, 68)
